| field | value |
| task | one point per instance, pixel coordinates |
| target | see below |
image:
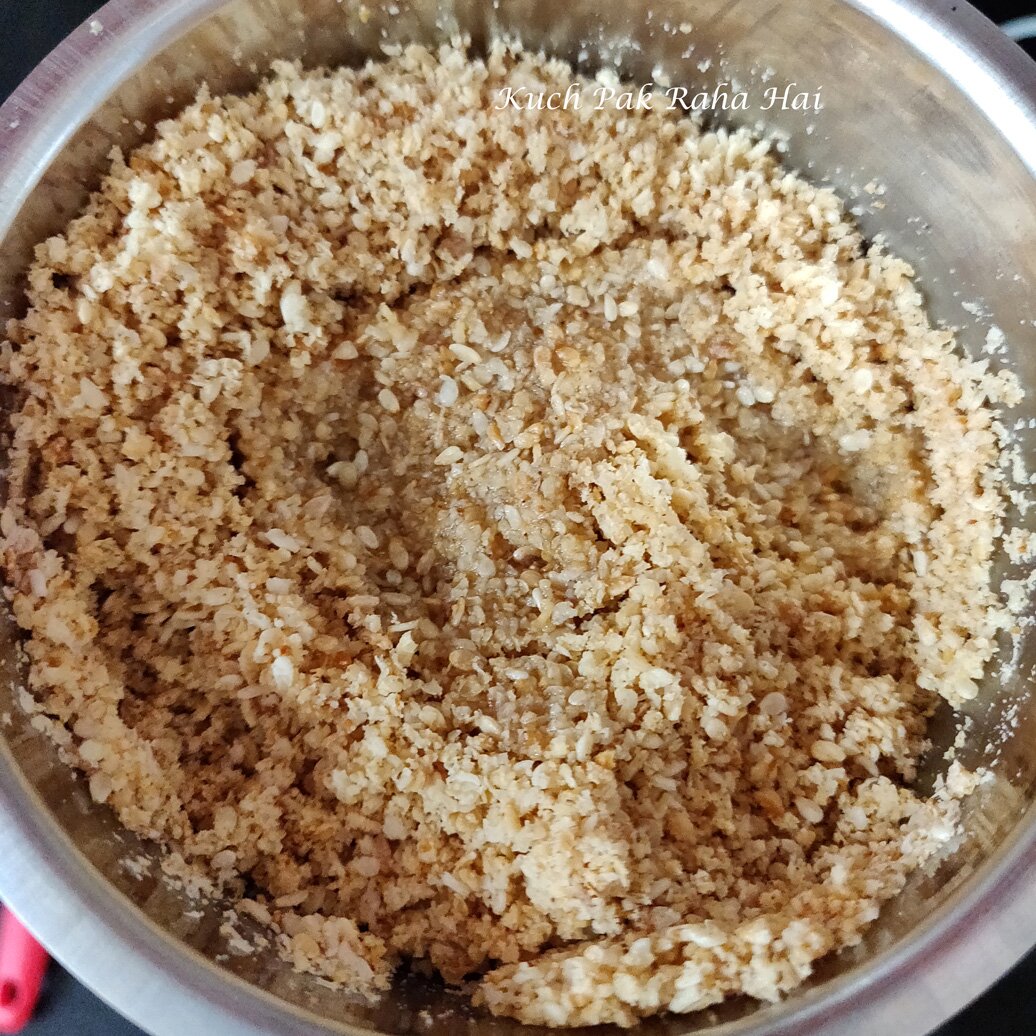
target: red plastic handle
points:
(22, 964)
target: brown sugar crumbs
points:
(527, 541)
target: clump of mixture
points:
(525, 542)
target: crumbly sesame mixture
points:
(528, 542)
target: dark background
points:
(28, 30)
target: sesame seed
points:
(450, 455)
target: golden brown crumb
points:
(492, 531)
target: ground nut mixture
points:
(525, 542)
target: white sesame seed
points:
(499, 344)
(398, 555)
(242, 172)
(344, 473)
(862, 380)
(448, 391)
(745, 395)
(367, 536)
(450, 455)
(809, 810)
(283, 672)
(465, 353)
(283, 540)
(853, 442)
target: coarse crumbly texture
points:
(525, 541)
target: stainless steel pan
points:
(927, 98)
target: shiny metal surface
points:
(926, 98)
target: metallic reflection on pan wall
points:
(947, 122)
